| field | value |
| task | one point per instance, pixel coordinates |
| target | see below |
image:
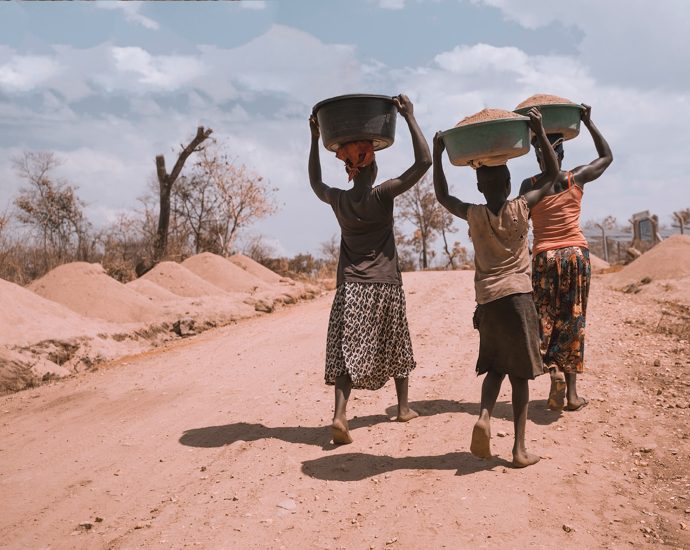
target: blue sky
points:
(109, 85)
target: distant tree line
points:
(204, 207)
(204, 204)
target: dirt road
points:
(220, 441)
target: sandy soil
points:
(220, 441)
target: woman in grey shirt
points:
(368, 338)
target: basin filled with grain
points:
(559, 115)
(488, 138)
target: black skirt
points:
(509, 337)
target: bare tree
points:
(405, 250)
(420, 207)
(455, 253)
(197, 202)
(52, 210)
(242, 198)
(166, 181)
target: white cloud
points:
(20, 73)
(625, 41)
(167, 72)
(131, 10)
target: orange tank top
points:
(556, 220)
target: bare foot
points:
(340, 432)
(522, 459)
(481, 434)
(576, 404)
(557, 392)
(405, 415)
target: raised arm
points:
(452, 204)
(551, 170)
(422, 156)
(323, 191)
(591, 171)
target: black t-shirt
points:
(367, 244)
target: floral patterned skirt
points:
(368, 337)
(560, 279)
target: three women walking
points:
(530, 313)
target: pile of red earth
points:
(88, 290)
(28, 318)
(670, 259)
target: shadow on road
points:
(218, 436)
(359, 466)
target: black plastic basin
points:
(357, 117)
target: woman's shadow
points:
(219, 436)
(359, 466)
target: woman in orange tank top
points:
(560, 268)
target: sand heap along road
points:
(670, 259)
(181, 281)
(222, 273)
(76, 316)
(256, 269)
(152, 291)
(27, 318)
(88, 290)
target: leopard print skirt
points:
(368, 336)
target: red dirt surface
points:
(221, 441)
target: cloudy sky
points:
(107, 86)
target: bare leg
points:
(521, 457)
(556, 400)
(404, 412)
(481, 433)
(575, 402)
(340, 429)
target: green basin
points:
(559, 118)
(487, 143)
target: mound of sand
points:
(151, 290)
(179, 280)
(486, 115)
(26, 318)
(222, 273)
(88, 290)
(543, 99)
(670, 259)
(598, 264)
(255, 268)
